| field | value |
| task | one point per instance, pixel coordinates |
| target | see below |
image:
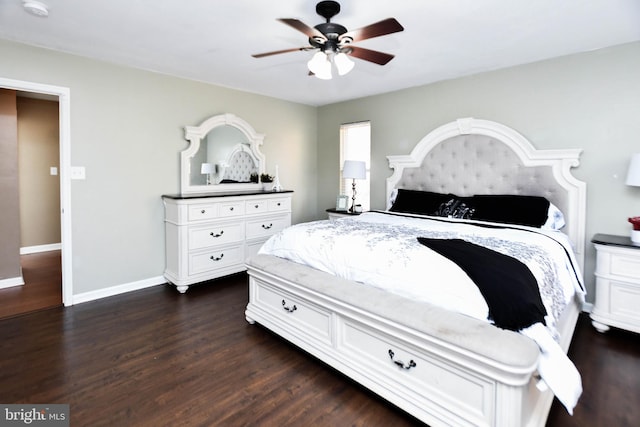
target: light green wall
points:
(589, 101)
(127, 130)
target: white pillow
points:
(555, 218)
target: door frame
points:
(64, 107)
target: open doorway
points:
(38, 159)
(63, 258)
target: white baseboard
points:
(587, 307)
(119, 289)
(40, 248)
(11, 282)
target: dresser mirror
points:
(223, 155)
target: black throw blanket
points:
(507, 285)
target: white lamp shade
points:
(633, 175)
(206, 168)
(343, 63)
(354, 169)
(320, 66)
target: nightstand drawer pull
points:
(212, 234)
(214, 258)
(266, 227)
(400, 363)
(289, 309)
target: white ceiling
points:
(212, 40)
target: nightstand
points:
(335, 214)
(617, 301)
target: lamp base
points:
(635, 236)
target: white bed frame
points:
(442, 367)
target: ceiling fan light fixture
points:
(320, 65)
(343, 63)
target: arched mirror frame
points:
(195, 134)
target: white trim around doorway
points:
(64, 104)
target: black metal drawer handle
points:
(231, 208)
(266, 227)
(212, 234)
(214, 258)
(202, 211)
(289, 309)
(400, 363)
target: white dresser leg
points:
(600, 327)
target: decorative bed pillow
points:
(419, 202)
(511, 209)
(455, 208)
(555, 218)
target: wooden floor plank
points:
(157, 357)
(42, 274)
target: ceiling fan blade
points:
(380, 58)
(382, 28)
(303, 28)
(277, 52)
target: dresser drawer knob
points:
(278, 203)
(231, 208)
(288, 309)
(256, 206)
(214, 258)
(266, 227)
(212, 234)
(400, 363)
(203, 211)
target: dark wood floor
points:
(158, 358)
(42, 274)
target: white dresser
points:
(617, 301)
(209, 236)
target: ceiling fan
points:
(334, 42)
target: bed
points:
(442, 365)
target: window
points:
(355, 144)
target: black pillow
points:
(419, 202)
(457, 207)
(511, 209)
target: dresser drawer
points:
(215, 234)
(256, 206)
(202, 212)
(625, 300)
(265, 227)
(280, 204)
(231, 209)
(252, 248)
(295, 311)
(414, 374)
(626, 265)
(214, 259)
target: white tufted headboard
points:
(471, 156)
(241, 164)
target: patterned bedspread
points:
(381, 249)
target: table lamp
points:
(354, 169)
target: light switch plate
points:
(77, 172)
(53, 170)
